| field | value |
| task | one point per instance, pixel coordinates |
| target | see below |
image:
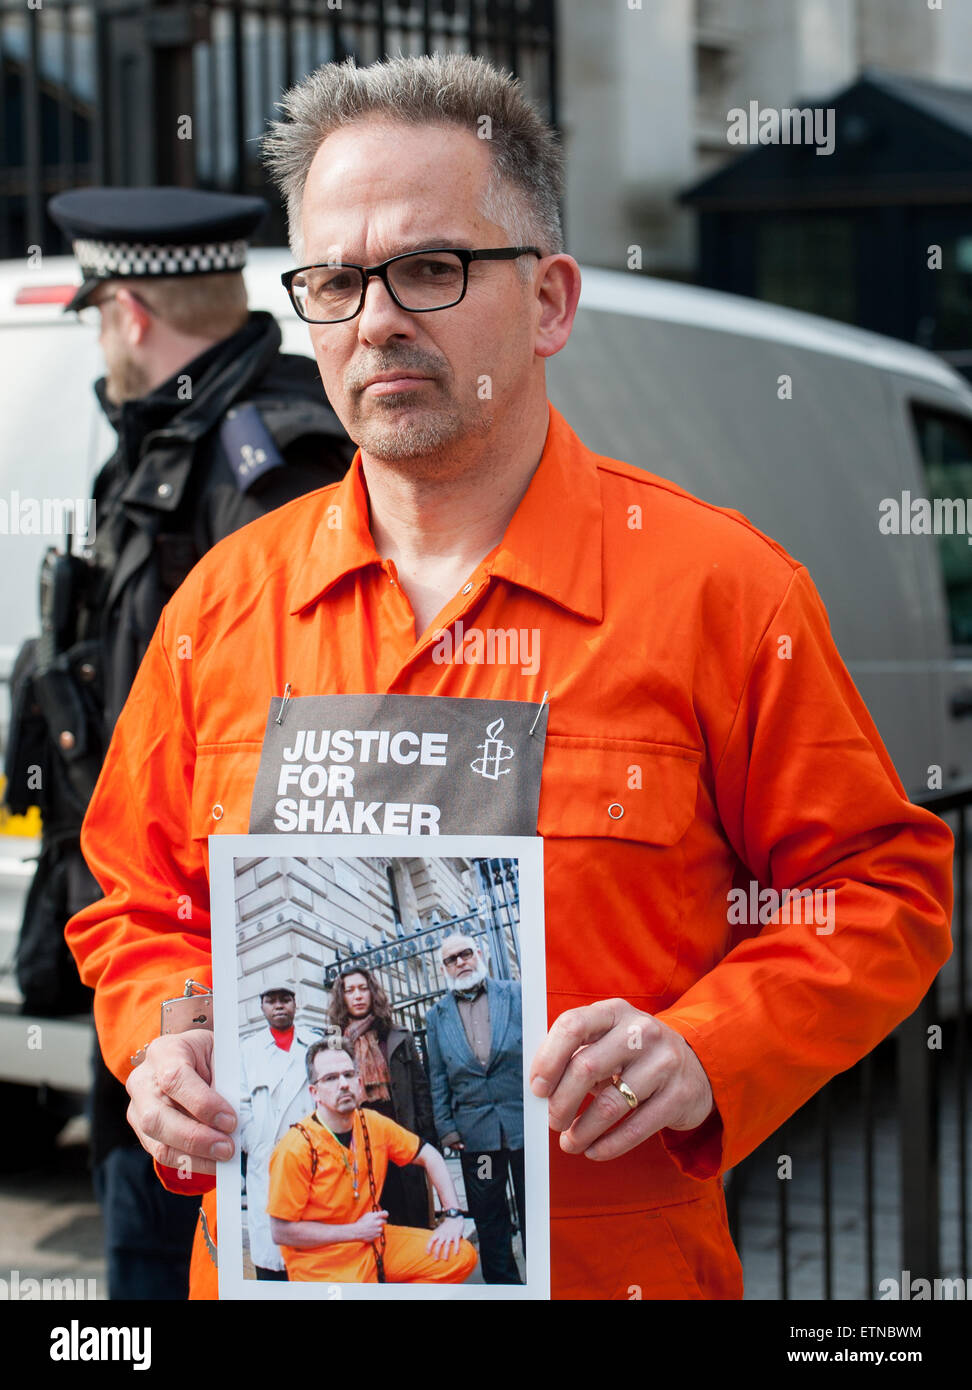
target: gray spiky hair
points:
(524, 191)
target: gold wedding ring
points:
(625, 1090)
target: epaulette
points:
(248, 444)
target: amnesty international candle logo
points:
(399, 765)
(494, 751)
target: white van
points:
(817, 432)
(806, 427)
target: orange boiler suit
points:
(658, 621)
(301, 1190)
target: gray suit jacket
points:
(468, 1098)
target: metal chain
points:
(311, 1145)
(210, 1243)
(379, 1244)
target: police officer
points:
(215, 426)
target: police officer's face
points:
(375, 190)
(126, 379)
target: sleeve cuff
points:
(698, 1152)
(449, 1139)
(192, 1186)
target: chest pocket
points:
(222, 788)
(623, 789)
(614, 815)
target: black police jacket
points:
(238, 431)
(255, 432)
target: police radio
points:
(61, 581)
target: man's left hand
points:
(446, 1237)
(586, 1047)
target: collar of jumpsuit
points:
(680, 749)
(533, 553)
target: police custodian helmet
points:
(137, 233)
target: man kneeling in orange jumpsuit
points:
(325, 1175)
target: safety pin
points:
(283, 703)
(539, 712)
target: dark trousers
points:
(148, 1231)
(485, 1185)
(405, 1196)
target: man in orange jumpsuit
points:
(325, 1177)
(690, 750)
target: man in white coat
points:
(274, 1096)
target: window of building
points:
(808, 263)
(953, 294)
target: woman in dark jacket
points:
(394, 1083)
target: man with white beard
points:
(475, 1047)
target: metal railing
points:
(407, 964)
(159, 91)
(882, 1153)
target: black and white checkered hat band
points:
(107, 258)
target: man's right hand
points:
(174, 1110)
(370, 1226)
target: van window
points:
(945, 445)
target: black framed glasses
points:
(419, 281)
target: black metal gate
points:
(407, 967)
(157, 91)
(882, 1152)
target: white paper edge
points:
(528, 851)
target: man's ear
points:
(558, 292)
(136, 319)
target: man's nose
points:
(381, 318)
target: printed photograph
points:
(380, 1042)
(486, 659)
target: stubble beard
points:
(125, 379)
(428, 436)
